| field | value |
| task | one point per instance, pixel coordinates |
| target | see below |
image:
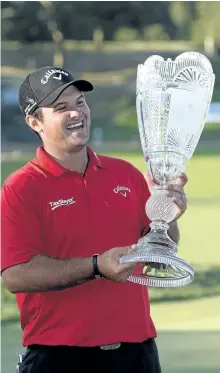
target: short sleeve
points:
(21, 232)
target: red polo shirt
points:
(49, 210)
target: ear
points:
(34, 123)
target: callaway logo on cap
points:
(43, 86)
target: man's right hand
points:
(43, 273)
(110, 267)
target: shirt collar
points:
(94, 160)
(48, 163)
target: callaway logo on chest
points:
(122, 190)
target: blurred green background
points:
(104, 42)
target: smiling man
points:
(67, 217)
(56, 110)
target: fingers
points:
(181, 180)
(180, 203)
(175, 194)
(178, 196)
(174, 188)
(177, 186)
(125, 249)
(127, 267)
(118, 252)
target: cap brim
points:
(82, 85)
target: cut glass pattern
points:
(173, 99)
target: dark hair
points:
(38, 114)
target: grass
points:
(200, 314)
(189, 352)
(200, 240)
(8, 167)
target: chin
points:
(77, 146)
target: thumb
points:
(132, 248)
(181, 180)
(126, 249)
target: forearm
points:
(44, 273)
(174, 232)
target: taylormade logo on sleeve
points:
(51, 72)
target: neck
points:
(74, 161)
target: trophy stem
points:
(158, 237)
(159, 224)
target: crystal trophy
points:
(172, 103)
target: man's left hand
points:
(174, 191)
(177, 194)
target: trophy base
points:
(161, 266)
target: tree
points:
(75, 20)
(182, 14)
(23, 21)
(207, 22)
(55, 33)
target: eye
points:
(61, 108)
(80, 103)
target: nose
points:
(75, 114)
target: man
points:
(67, 217)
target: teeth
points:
(75, 125)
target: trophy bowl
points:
(172, 102)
